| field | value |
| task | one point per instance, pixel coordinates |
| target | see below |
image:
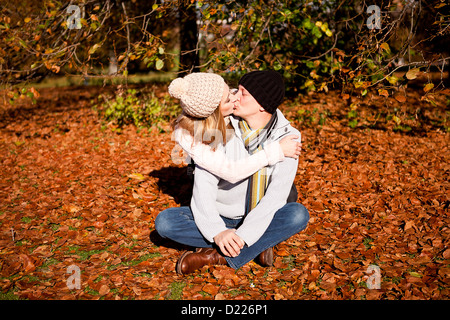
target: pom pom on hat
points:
(178, 87)
(200, 93)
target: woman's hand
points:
(229, 242)
(290, 147)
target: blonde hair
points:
(210, 130)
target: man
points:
(233, 223)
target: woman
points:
(203, 127)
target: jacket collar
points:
(281, 124)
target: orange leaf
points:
(400, 98)
(211, 289)
(104, 290)
(27, 263)
(137, 290)
(409, 225)
(34, 92)
(383, 92)
(446, 254)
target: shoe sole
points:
(267, 260)
(180, 262)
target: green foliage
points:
(284, 36)
(142, 110)
(352, 116)
(318, 45)
(314, 118)
(176, 290)
(36, 40)
(23, 94)
(9, 296)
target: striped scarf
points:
(254, 141)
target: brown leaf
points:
(27, 263)
(211, 289)
(446, 254)
(400, 98)
(409, 225)
(137, 290)
(219, 296)
(104, 290)
(413, 73)
(383, 92)
(282, 253)
(279, 296)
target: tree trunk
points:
(189, 59)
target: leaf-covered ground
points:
(76, 192)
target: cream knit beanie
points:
(200, 93)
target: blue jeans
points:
(178, 225)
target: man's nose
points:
(237, 96)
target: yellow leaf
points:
(397, 120)
(313, 74)
(413, 73)
(385, 47)
(94, 48)
(358, 84)
(392, 80)
(136, 176)
(323, 86)
(159, 64)
(27, 19)
(309, 83)
(428, 87)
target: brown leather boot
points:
(266, 257)
(191, 261)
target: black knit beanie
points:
(267, 87)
